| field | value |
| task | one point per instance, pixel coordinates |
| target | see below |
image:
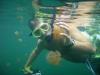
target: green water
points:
(16, 44)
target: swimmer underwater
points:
(60, 39)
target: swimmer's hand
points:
(27, 70)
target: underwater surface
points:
(16, 44)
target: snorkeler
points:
(59, 38)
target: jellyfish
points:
(53, 57)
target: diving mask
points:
(40, 30)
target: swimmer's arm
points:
(84, 47)
(32, 57)
(81, 44)
(34, 54)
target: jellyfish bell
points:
(53, 57)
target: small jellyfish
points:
(53, 57)
(17, 33)
(19, 9)
(20, 40)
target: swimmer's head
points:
(39, 27)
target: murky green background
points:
(16, 44)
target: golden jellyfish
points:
(53, 57)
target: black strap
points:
(52, 22)
(53, 18)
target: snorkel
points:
(42, 23)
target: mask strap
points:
(52, 20)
